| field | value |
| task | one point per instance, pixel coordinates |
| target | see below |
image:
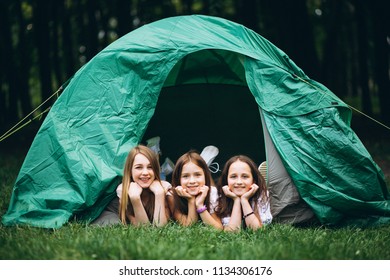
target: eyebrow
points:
(141, 164)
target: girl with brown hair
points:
(192, 185)
(242, 195)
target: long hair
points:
(194, 157)
(126, 208)
(225, 204)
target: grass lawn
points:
(77, 241)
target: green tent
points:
(197, 81)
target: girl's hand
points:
(200, 198)
(182, 192)
(228, 192)
(134, 191)
(250, 192)
(157, 188)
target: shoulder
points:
(167, 186)
(264, 210)
(213, 191)
(213, 196)
(119, 190)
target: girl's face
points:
(142, 171)
(240, 178)
(192, 178)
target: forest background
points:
(343, 44)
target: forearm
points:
(211, 220)
(235, 217)
(140, 216)
(160, 216)
(192, 216)
(251, 220)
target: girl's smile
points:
(142, 171)
(192, 178)
(240, 178)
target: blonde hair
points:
(125, 208)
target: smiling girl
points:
(242, 195)
(143, 200)
(191, 188)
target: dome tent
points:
(198, 80)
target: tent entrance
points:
(194, 116)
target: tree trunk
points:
(295, 34)
(42, 35)
(92, 34)
(363, 56)
(247, 14)
(57, 18)
(381, 33)
(9, 107)
(24, 63)
(68, 58)
(123, 9)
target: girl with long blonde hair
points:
(142, 194)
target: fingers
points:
(134, 185)
(228, 192)
(225, 189)
(157, 188)
(253, 189)
(134, 190)
(182, 192)
(204, 189)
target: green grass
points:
(280, 242)
(78, 241)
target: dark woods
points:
(343, 44)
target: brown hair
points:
(125, 208)
(194, 157)
(225, 204)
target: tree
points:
(294, 34)
(41, 20)
(10, 89)
(381, 34)
(361, 8)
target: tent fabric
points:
(76, 159)
(287, 206)
(339, 181)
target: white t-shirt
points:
(263, 209)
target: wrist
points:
(201, 209)
(159, 194)
(134, 197)
(199, 205)
(247, 215)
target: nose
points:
(192, 179)
(144, 171)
